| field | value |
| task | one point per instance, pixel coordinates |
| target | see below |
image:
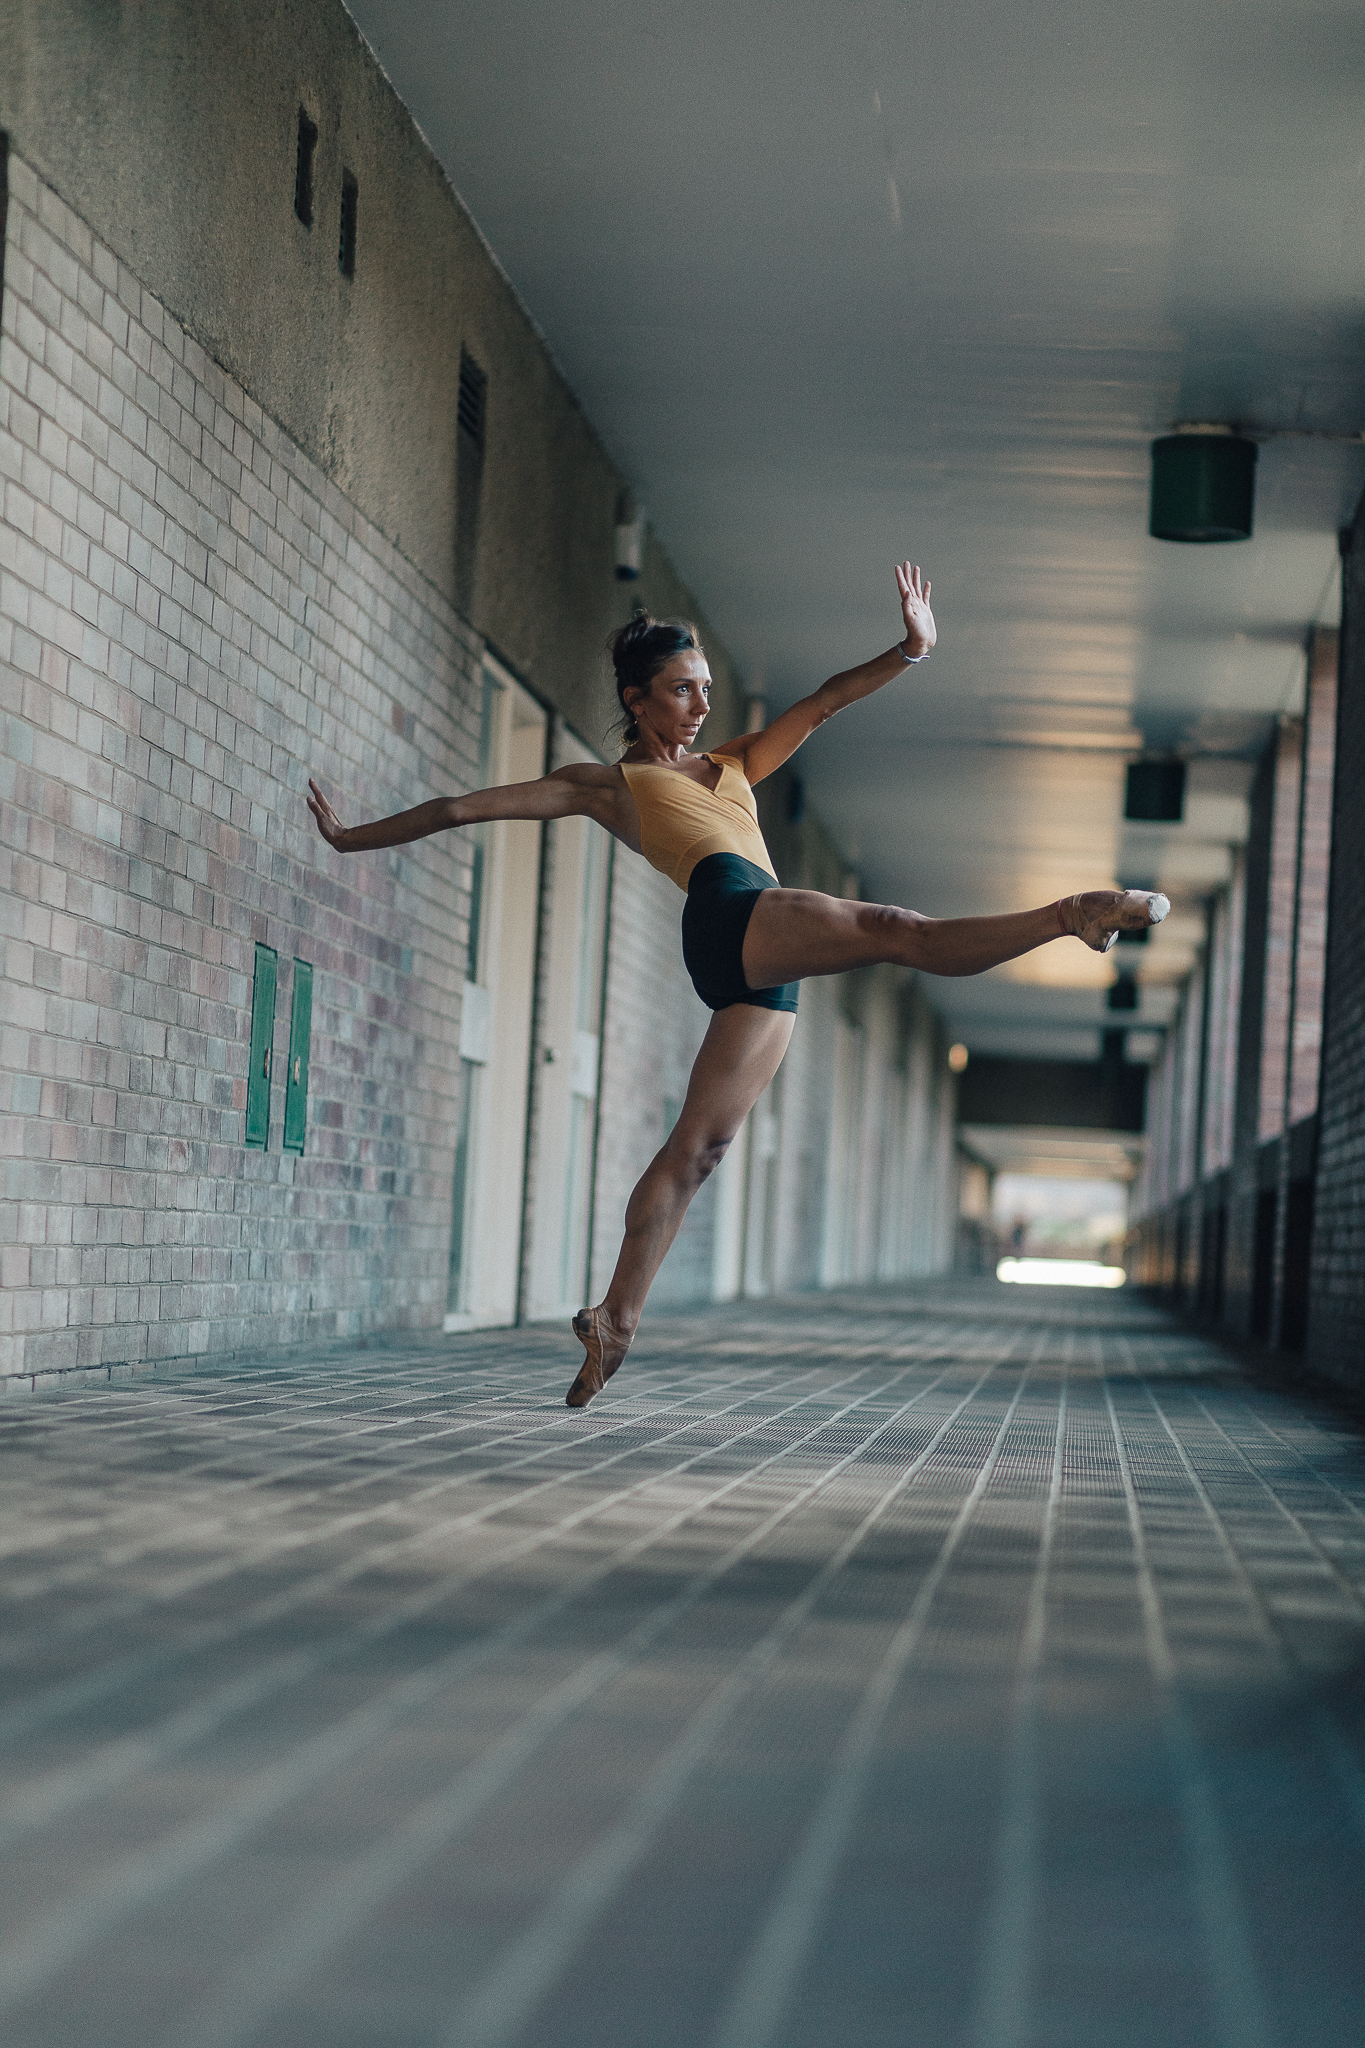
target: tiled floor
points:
(967, 1665)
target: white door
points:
(495, 1029)
(566, 1115)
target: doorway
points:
(495, 1022)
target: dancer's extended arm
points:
(582, 790)
(762, 753)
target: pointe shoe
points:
(1097, 916)
(595, 1371)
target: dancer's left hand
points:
(920, 631)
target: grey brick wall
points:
(1336, 1313)
(192, 618)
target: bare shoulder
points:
(588, 775)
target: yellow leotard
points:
(681, 821)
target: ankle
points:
(619, 1323)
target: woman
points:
(747, 941)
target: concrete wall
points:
(171, 130)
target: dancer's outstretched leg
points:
(797, 932)
(739, 1055)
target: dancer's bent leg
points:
(739, 1055)
(797, 932)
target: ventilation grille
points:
(350, 194)
(303, 169)
(473, 401)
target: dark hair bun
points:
(639, 650)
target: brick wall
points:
(1336, 1312)
(1280, 925)
(191, 619)
(1314, 869)
(194, 618)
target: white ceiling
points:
(842, 283)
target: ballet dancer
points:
(747, 942)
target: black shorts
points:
(721, 893)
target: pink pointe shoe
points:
(1098, 915)
(598, 1366)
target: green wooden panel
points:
(262, 1038)
(296, 1081)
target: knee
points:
(699, 1155)
(896, 933)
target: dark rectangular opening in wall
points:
(303, 168)
(350, 197)
(471, 416)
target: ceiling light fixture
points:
(1203, 485)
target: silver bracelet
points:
(911, 660)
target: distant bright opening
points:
(1060, 1273)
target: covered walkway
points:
(951, 1665)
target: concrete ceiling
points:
(839, 284)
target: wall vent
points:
(303, 168)
(472, 407)
(350, 193)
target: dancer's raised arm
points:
(763, 753)
(582, 790)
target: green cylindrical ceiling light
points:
(1203, 485)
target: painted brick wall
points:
(1280, 928)
(1336, 1314)
(1314, 869)
(191, 619)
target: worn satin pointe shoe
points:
(596, 1372)
(1097, 916)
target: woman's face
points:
(677, 701)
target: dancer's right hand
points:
(920, 631)
(326, 819)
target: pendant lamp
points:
(1203, 485)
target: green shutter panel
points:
(296, 1081)
(262, 1037)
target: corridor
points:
(947, 1664)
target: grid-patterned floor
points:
(971, 1666)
